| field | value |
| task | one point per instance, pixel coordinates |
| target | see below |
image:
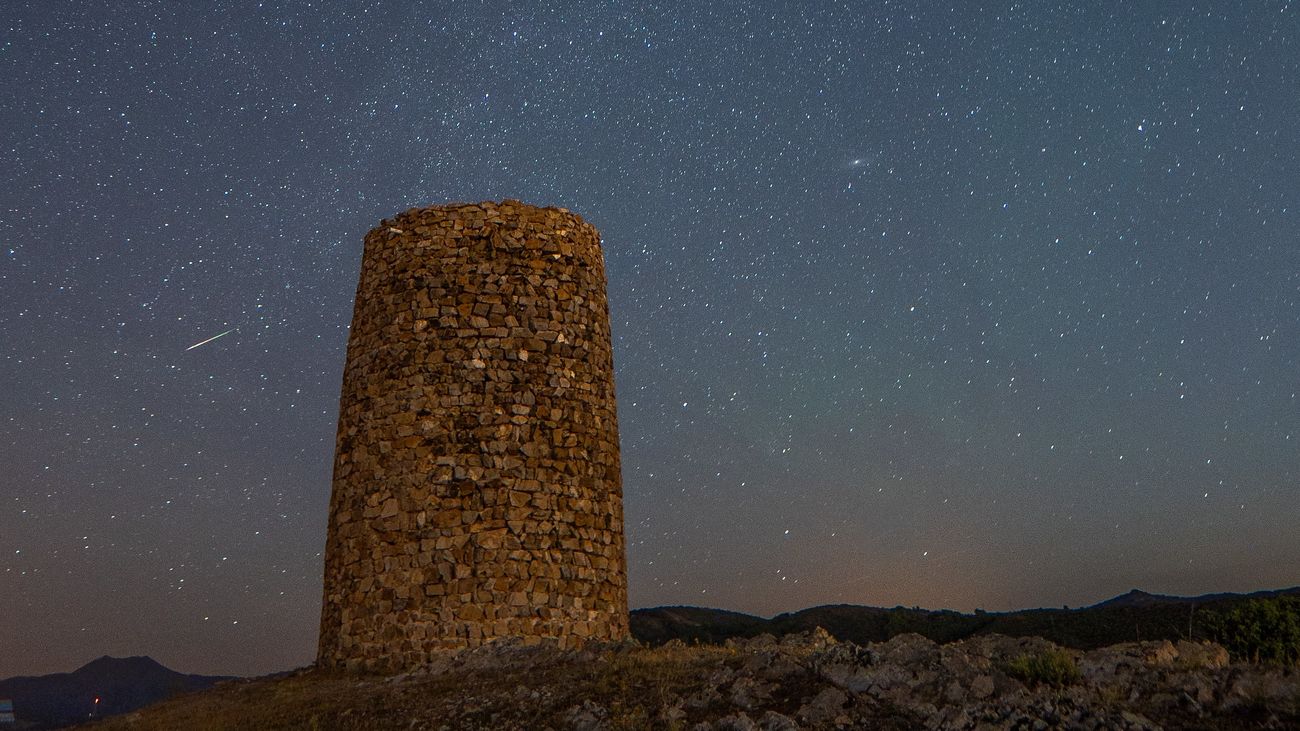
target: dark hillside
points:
(1132, 617)
(120, 684)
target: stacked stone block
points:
(477, 490)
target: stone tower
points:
(477, 491)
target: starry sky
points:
(971, 305)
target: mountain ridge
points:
(1133, 616)
(1137, 597)
(120, 685)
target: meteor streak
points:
(214, 337)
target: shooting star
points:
(214, 337)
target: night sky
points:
(960, 307)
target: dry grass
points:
(1056, 668)
(632, 684)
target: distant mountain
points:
(694, 624)
(120, 684)
(1136, 615)
(1139, 598)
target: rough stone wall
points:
(477, 491)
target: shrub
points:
(1056, 668)
(1260, 630)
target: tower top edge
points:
(487, 209)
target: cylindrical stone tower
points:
(477, 491)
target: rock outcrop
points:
(805, 681)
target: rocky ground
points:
(807, 681)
